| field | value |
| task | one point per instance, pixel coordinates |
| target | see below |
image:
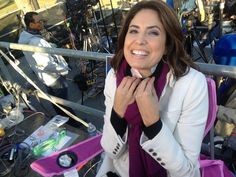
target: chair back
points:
(210, 167)
(212, 105)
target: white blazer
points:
(183, 111)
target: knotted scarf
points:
(141, 164)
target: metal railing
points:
(59, 51)
(209, 69)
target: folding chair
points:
(211, 167)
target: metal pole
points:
(35, 4)
(212, 146)
(4, 70)
(37, 88)
(27, 5)
(218, 70)
(210, 69)
(79, 107)
(82, 108)
(59, 51)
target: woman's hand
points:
(147, 101)
(125, 94)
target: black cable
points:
(14, 155)
(21, 164)
(4, 150)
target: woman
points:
(156, 103)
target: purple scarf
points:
(141, 164)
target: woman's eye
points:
(155, 33)
(132, 31)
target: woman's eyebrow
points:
(133, 26)
(154, 26)
(149, 27)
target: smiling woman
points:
(145, 44)
(156, 101)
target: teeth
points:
(139, 52)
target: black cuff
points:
(111, 174)
(153, 129)
(118, 123)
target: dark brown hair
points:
(29, 18)
(176, 56)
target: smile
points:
(139, 52)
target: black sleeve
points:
(153, 129)
(118, 123)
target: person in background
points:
(156, 102)
(226, 114)
(50, 69)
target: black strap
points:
(111, 174)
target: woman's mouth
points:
(139, 52)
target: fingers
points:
(142, 86)
(125, 94)
(147, 101)
(135, 85)
(129, 83)
(147, 85)
(150, 84)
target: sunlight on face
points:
(37, 24)
(145, 41)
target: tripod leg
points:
(188, 43)
(202, 52)
(82, 99)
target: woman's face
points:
(145, 41)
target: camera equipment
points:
(230, 7)
(77, 5)
(218, 21)
(78, 10)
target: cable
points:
(5, 169)
(14, 157)
(21, 164)
(33, 115)
(91, 168)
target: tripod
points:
(85, 35)
(190, 37)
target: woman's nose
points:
(141, 39)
